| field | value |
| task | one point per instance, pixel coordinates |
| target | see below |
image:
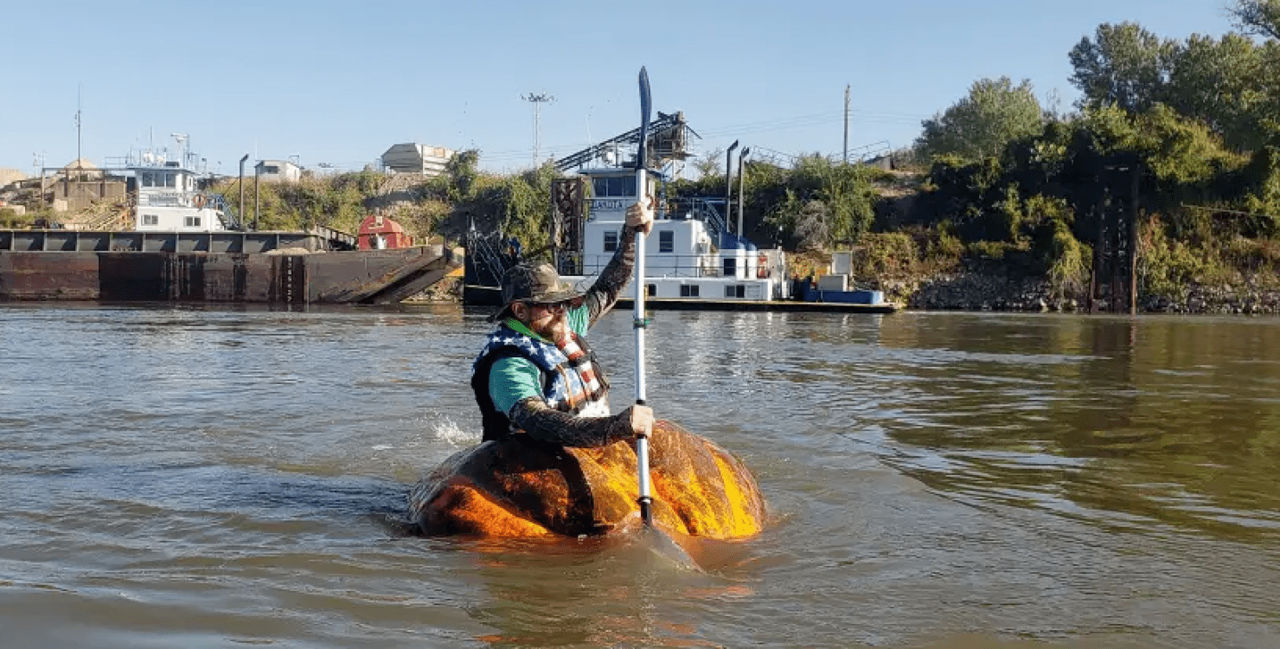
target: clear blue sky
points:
(339, 82)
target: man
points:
(537, 375)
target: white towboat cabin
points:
(168, 199)
(688, 254)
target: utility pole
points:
(728, 183)
(1132, 265)
(79, 165)
(846, 123)
(537, 100)
(742, 184)
(244, 223)
(256, 202)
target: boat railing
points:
(171, 199)
(485, 259)
(706, 209)
(229, 218)
(673, 266)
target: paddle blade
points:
(646, 108)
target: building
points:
(413, 158)
(78, 186)
(380, 233)
(278, 171)
(9, 176)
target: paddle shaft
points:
(642, 443)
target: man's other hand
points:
(641, 420)
(640, 216)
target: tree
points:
(812, 225)
(461, 172)
(709, 164)
(1260, 17)
(814, 204)
(994, 113)
(1124, 65)
(1221, 83)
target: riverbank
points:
(976, 291)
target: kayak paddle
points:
(642, 443)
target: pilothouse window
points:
(610, 241)
(666, 241)
(614, 186)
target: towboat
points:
(167, 196)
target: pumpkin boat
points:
(521, 488)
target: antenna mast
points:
(537, 100)
(79, 165)
(846, 123)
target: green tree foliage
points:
(709, 164)
(983, 123)
(1123, 64)
(1262, 177)
(976, 198)
(816, 203)
(1260, 17)
(1223, 83)
(527, 208)
(9, 218)
(461, 172)
(1232, 83)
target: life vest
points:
(572, 379)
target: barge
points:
(273, 267)
(180, 243)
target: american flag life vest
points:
(572, 379)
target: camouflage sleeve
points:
(546, 424)
(604, 293)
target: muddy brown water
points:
(198, 477)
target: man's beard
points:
(552, 330)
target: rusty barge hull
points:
(184, 272)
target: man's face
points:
(547, 320)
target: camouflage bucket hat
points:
(534, 283)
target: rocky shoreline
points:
(973, 291)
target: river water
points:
(184, 477)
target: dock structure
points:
(690, 304)
(491, 296)
(265, 267)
